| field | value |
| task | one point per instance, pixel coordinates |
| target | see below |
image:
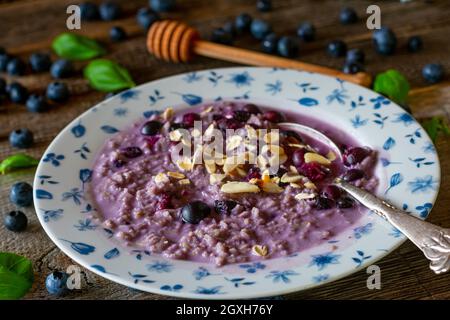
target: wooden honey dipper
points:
(174, 41)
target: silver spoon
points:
(434, 241)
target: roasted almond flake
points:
(293, 169)
(315, 157)
(175, 135)
(271, 187)
(216, 178)
(289, 177)
(239, 187)
(196, 133)
(261, 251)
(295, 185)
(161, 178)
(184, 164)
(176, 175)
(265, 176)
(331, 155)
(271, 137)
(210, 166)
(241, 172)
(167, 114)
(253, 180)
(207, 110)
(310, 185)
(184, 181)
(305, 196)
(251, 132)
(296, 145)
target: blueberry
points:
(251, 108)
(415, 44)
(89, 11)
(348, 16)
(264, 5)
(273, 116)
(16, 221)
(4, 59)
(287, 47)
(2, 86)
(15, 67)
(219, 35)
(109, 11)
(21, 138)
(230, 28)
(353, 174)
(40, 62)
(61, 68)
(384, 40)
(354, 155)
(260, 29)
(56, 283)
(194, 212)
(58, 92)
(131, 152)
(150, 128)
(306, 32)
(345, 203)
(17, 92)
(352, 67)
(298, 157)
(162, 5)
(270, 43)
(331, 192)
(433, 72)
(224, 206)
(117, 34)
(146, 17)
(322, 203)
(355, 55)
(336, 48)
(243, 22)
(37, 103)
(190, 118)
(21, 194)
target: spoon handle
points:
(434, 241)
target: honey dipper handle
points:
(222, 52)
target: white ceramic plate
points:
(408, 169)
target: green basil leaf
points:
(16, 276)
(106, 75)
(393, 85)
(17, 161)
(76, 47)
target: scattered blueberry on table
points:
(40, 62)
(4, 58)
(58, 92)
(194, 212)
(306, 32)
(117, 34)
(61, 68)
(15, 67)
(243, 22)
(337, 48)
(352, 67)
(355, 55)
(415, 44)
(89, 11)
(385, 41)
(21, 138)
(146, 17)
(21, 194)
(230, 28)
(15, 221)
(162, 5)
(270, 43)
(110, 10)
(287, 47)
(264, 5)
(17, 92)
(37, 103)
(348, 16)
(56, 283)
(433, 72)
(260, 28)
(219, 35)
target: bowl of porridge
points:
(194, 188)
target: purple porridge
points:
(223, 212)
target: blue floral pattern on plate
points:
(408, 162)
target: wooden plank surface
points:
(29, 25)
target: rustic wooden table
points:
(29, 25)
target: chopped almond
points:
(239, 187)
